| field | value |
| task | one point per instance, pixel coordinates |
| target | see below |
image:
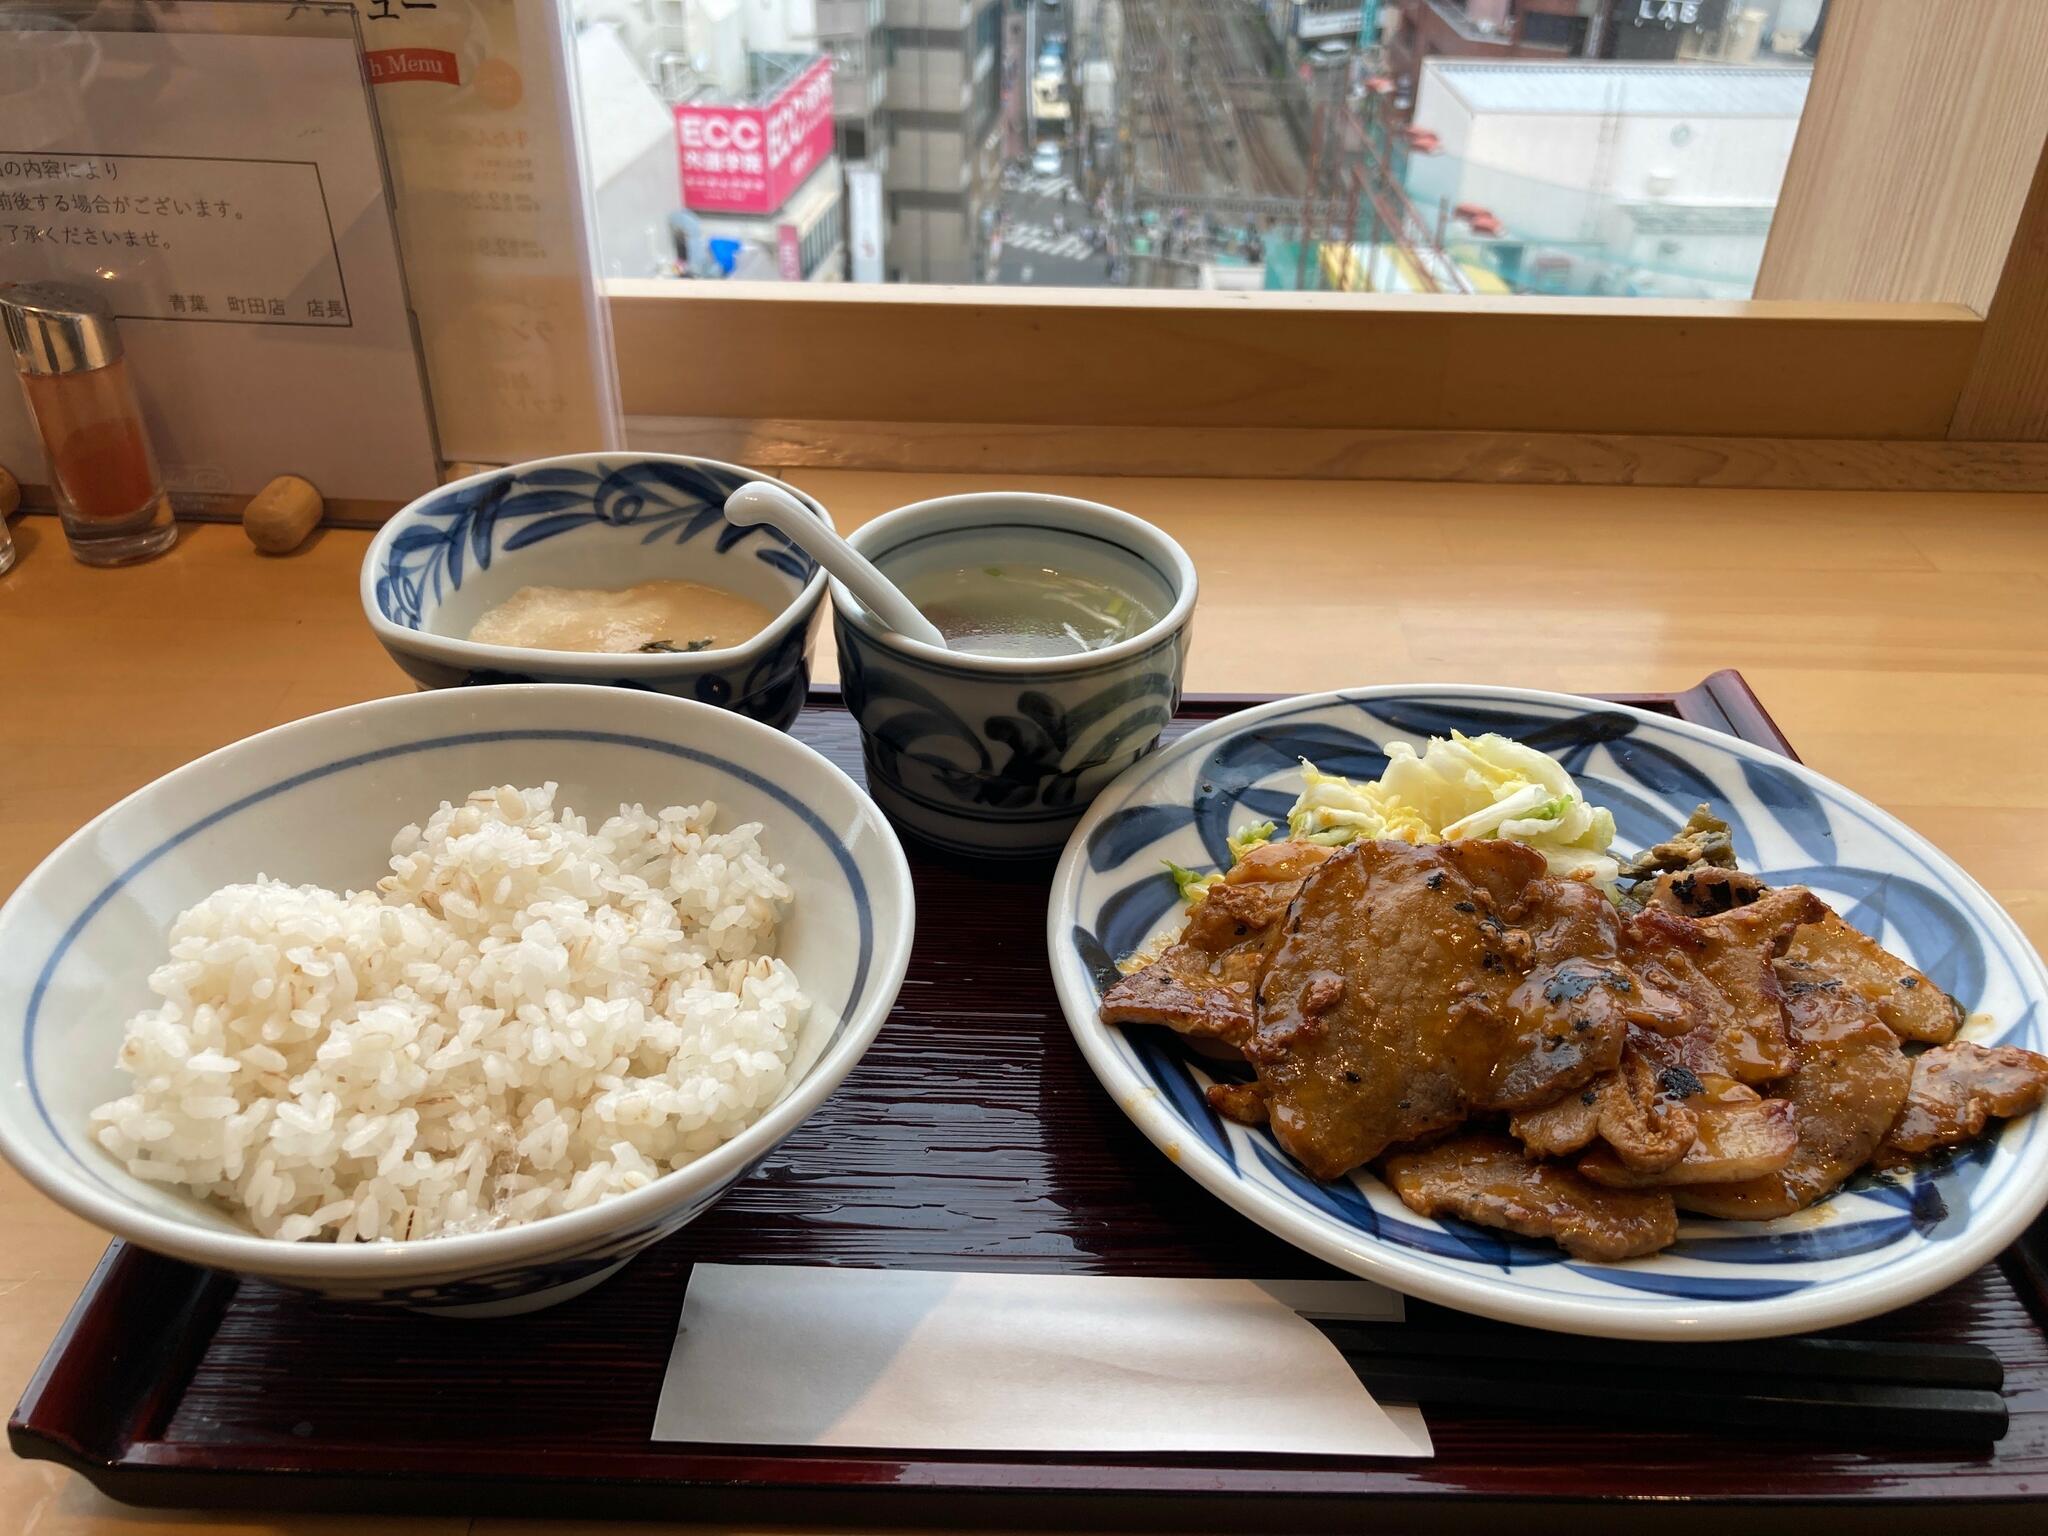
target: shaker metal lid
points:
(58, 327)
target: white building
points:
(630, 137)
(1612, 177)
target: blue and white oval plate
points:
(1877, 1243)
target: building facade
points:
(1610, 177)
(759, 176)
(916, 107)
(745, 70)
(854, 34)
(945, 136)
(1725, 31)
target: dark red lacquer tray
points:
(971, 1136)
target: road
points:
(1034, 252)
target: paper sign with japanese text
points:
(224, 193)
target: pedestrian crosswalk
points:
(1040, 239)
(1038, 186)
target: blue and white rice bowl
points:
(318, 801)
(1881, 1241)
(606, 520)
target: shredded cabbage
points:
(1467, 786)
(1245, 839)
(1191, 886)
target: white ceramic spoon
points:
(759, 502)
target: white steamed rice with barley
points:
(527, 1016)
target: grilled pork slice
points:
(1956, 1089)
(1645, 1125)
(1487, 1179)
(1831, 955)
(1704, 892)
(1414, 985)
(1721, 969)
(1845, 1094)
(1729, 1024)
(1243, 1102)
(1202, 984)
(1739, 1137)
(1187, 989)
(1562, 1127)
(1826, 952)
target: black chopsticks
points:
(1812, 1388)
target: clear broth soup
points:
(1031, 592)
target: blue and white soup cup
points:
(607, 520)
(998, 756)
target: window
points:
(1563, 258)
(1394, 180)
(1593, 148)
(821, 240)
(1555, 29)
(849, 55)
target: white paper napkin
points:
(933, 1360)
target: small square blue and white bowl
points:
(608, 520)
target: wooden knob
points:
(279, 516)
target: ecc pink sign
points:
(749, 159)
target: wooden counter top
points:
(1901, 641)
